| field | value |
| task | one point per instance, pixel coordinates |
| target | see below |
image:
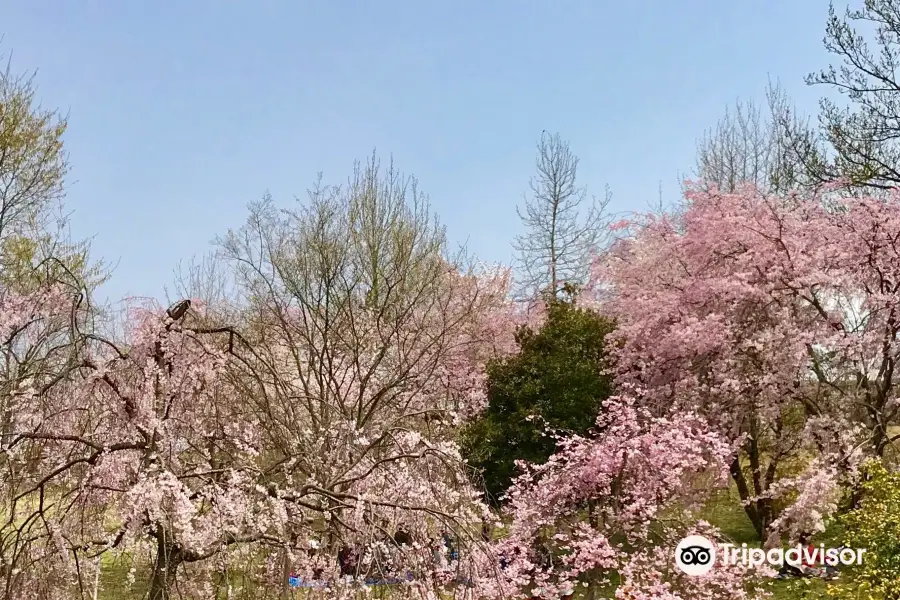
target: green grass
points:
(798, 589)
(725, 512)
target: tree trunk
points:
(168, 559)
(285, 576)
(759, 513)
(96, 592)
(593, 519)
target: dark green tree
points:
(555, 381)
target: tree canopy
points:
(554, 385)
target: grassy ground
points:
(726, 513)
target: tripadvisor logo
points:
(696, 555)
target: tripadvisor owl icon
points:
(695, 555)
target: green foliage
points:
(33, 162)
(33, 168)
(555, 380)
(875, 526)
(27, 262)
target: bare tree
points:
(362, 327)
(208, 280)
(753, 144)
(559, 241)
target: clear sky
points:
(183, 112)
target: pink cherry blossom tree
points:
(135, 446)
(607, 512)
(38, 333)
(764, 313)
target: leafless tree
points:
(209, 280)
(360, 323)
(753, 144)
(560, 239)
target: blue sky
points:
(183, 112)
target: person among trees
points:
(402, 537)
(348, 565)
